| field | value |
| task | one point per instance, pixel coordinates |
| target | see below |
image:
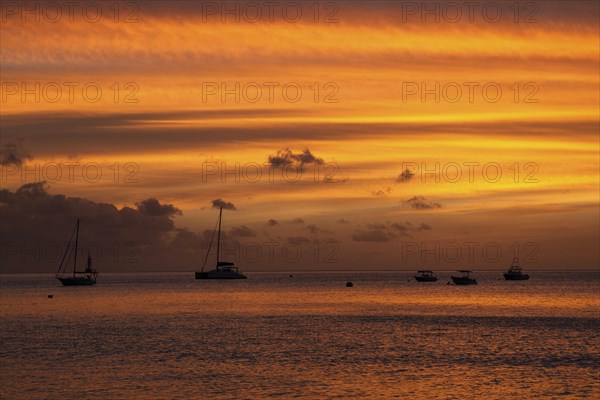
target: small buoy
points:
(50, 296)
(349, 284)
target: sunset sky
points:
(366, 135)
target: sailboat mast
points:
(75, 254)
(219, 235)
(63, 265)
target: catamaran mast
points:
(219, 236)
(75, 254)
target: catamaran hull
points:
(219, 275)
(511, 277)
(76, 281)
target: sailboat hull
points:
(77, 281)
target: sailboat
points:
(515, 272)
(223, 270)
(78, 278)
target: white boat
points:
(223, 269)
(77, 278)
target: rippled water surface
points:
(163, 336)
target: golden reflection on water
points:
(168, 336)
(272, 294)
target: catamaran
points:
(78, 278)
(515, 272)
(223, 270)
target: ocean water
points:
(168, 336)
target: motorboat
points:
(425, 276)
(515, 272)
(464, 279)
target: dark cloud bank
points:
(36, 226)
